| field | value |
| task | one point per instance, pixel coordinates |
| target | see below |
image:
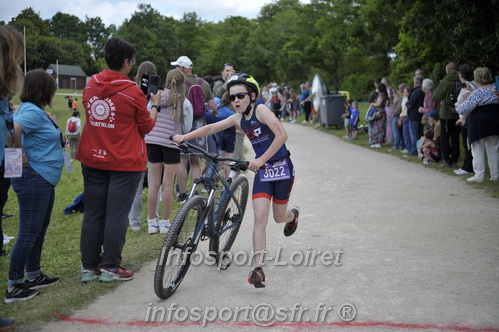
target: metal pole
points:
(24, 50)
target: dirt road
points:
(383, 244)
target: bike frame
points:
(209, 180)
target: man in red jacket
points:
(113, 156)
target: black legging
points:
(307, 108)
(468, 158)
(449, 140)
(4, 191)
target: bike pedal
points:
(220, 262)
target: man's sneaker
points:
(291, 227)
(462, 172)
(41, 281)
(20, 293)
(120, 274)
(182, 197)
(153, 226)
(257, 278)
(476, 179)
(89, 275)
(164, 226)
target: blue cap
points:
(434, 114)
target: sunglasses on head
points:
(239, 95)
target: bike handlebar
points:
(187, 147)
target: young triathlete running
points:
(274, 183)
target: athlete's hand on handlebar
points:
(256, 164)
(178, 138)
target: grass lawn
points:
(61, 255)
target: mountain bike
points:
(216, 218)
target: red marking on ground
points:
(305, 325)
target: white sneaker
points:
(135, 228)
(494, 179)
(153, 226)
(6, 237)
(164, 226)
(462, 172)
(376, 146)
(475, 179)
(404, 151)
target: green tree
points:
(433, 33)
(153, 35)
(226, 42)
(276, 50)
(65, 26)
(192, 36)
(32, 21)
(97, 35)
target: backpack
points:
(196, 97)
(72, 126)
(455, 89)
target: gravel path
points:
(403, 247)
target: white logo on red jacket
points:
(101, 112)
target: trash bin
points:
(331, 109)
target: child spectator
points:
(75, 105)
(428, 149)
(434, 124)
(346, 118)
(354, 120)
(371, 113)
(73, 130)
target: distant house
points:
(70, 77)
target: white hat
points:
(183, 61)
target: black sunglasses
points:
(239, 95)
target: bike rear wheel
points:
(229, 217)
(175, 256)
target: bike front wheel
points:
(229, 217)
(180, 242)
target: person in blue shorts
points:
(226, 138)
(354, 120)
(267, 137)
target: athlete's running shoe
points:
(257, 277)
(291, 226)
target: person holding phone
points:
(113, 155)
